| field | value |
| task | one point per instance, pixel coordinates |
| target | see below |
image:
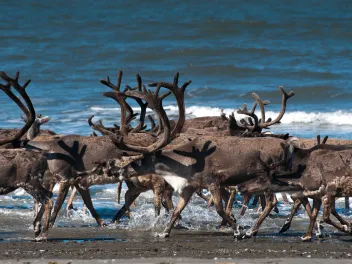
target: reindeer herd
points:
(219, 154)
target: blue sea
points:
(228, 49)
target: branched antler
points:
(100, 127)
(120, 98)
(244, 111)
(253, 126)
(29, 112)
(154, 102)
(269, 122)
(179, 93)
(152, 122)
(140, 87)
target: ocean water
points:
(228, 49)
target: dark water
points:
(227, 48)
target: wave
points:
(291, 117)
(333, 118)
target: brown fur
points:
(206, 163)
(23, 168)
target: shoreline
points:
(179, 260)
(96, 243)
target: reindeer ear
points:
(44, 120)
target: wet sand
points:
(96, 243)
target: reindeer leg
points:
(185, 196)
(244, 207)
(210, 201)
(328, 201)
(69, 205)
(347, 204)
(229, 205)
(215, 191)
(255, 200)
(287, 224)
(230, 202)
(313, 218)
(36, 207)
(276, 210)
(131, 194)
(261, 202)
(158, 192)
(43, 196)
(47, 204)
(270, 201)
(88, 202)
(168, 205)
(63, 190)
(225, 195)
(284, 198)
(337, 216)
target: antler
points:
(269, 122)
(140, 87)
(30, 112)
(152, 122)
(100, 127)
(244, 111)
(179, 93)
(324, 140)
(120, 98)
(154, 102)
(282, 161)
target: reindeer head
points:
(137, 157)
(121, 167)
(265, 174)
(34, 130)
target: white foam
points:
(290, 117)
(336, 117)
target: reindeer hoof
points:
(285, 227)
(319, 235)
(101, 223)
(306, 238)
(249, 234)
(37, 230)
(238, 234)
(163, 235)
(41, 238)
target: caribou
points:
(202, 162)
(21, 167)
(320, 173)
(251, 128)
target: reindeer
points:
(21, 167)
(202, 163)
(308, 180)
(249, 128)
(71, 154)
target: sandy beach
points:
(95, 243)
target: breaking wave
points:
(290, 117)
